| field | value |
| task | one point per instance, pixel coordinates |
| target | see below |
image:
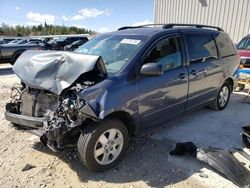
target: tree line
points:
(37, 30)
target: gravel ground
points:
(147, 163)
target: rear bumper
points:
(26, 121)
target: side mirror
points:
(152, 69)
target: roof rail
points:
(139, 26)
(168, 26)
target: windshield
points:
(116, 50)
(244, 44)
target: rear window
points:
(244, 44)
(225, 45)
(200, 47)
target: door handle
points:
(193, 72)
(182, 75)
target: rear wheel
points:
(222, 98)
(102, 145)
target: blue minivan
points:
(119, 85)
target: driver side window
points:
(167, 53)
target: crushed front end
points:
(48, 100)
(59, 119)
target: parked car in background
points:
(7, 40)
(10, 52)
(121, 84)
(243, 48)
(35, 40)
(18, 41)
(2, 41)
(47, 39)
(74, 45)
(52, 40)
(45, 45)
(14, 41)
(63, 41)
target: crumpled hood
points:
(55, 70)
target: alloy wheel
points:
(108, 146)
(223, 96)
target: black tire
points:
(241, 87)
(88, 141)
(216, 103)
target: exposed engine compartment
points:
(63, 119)
(36, 102)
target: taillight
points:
(241, 66)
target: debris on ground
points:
(242, 152)
(221, 160)
(246, 136)
(202, 175)
(28, 167)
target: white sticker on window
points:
(130, 41)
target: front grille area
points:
(37, 103)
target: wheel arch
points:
(230, 81)
(126, 118)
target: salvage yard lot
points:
(147, 162)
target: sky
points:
(98, 15)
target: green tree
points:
(41, 29)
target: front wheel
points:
(102, 145)
(222, 98)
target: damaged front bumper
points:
(26, 121)
(38, 122)
(54, 128)
(59, 119)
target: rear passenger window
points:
(167, 53)
(225, 45)
(201, 47)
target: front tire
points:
(222, 99)
(101, 146)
